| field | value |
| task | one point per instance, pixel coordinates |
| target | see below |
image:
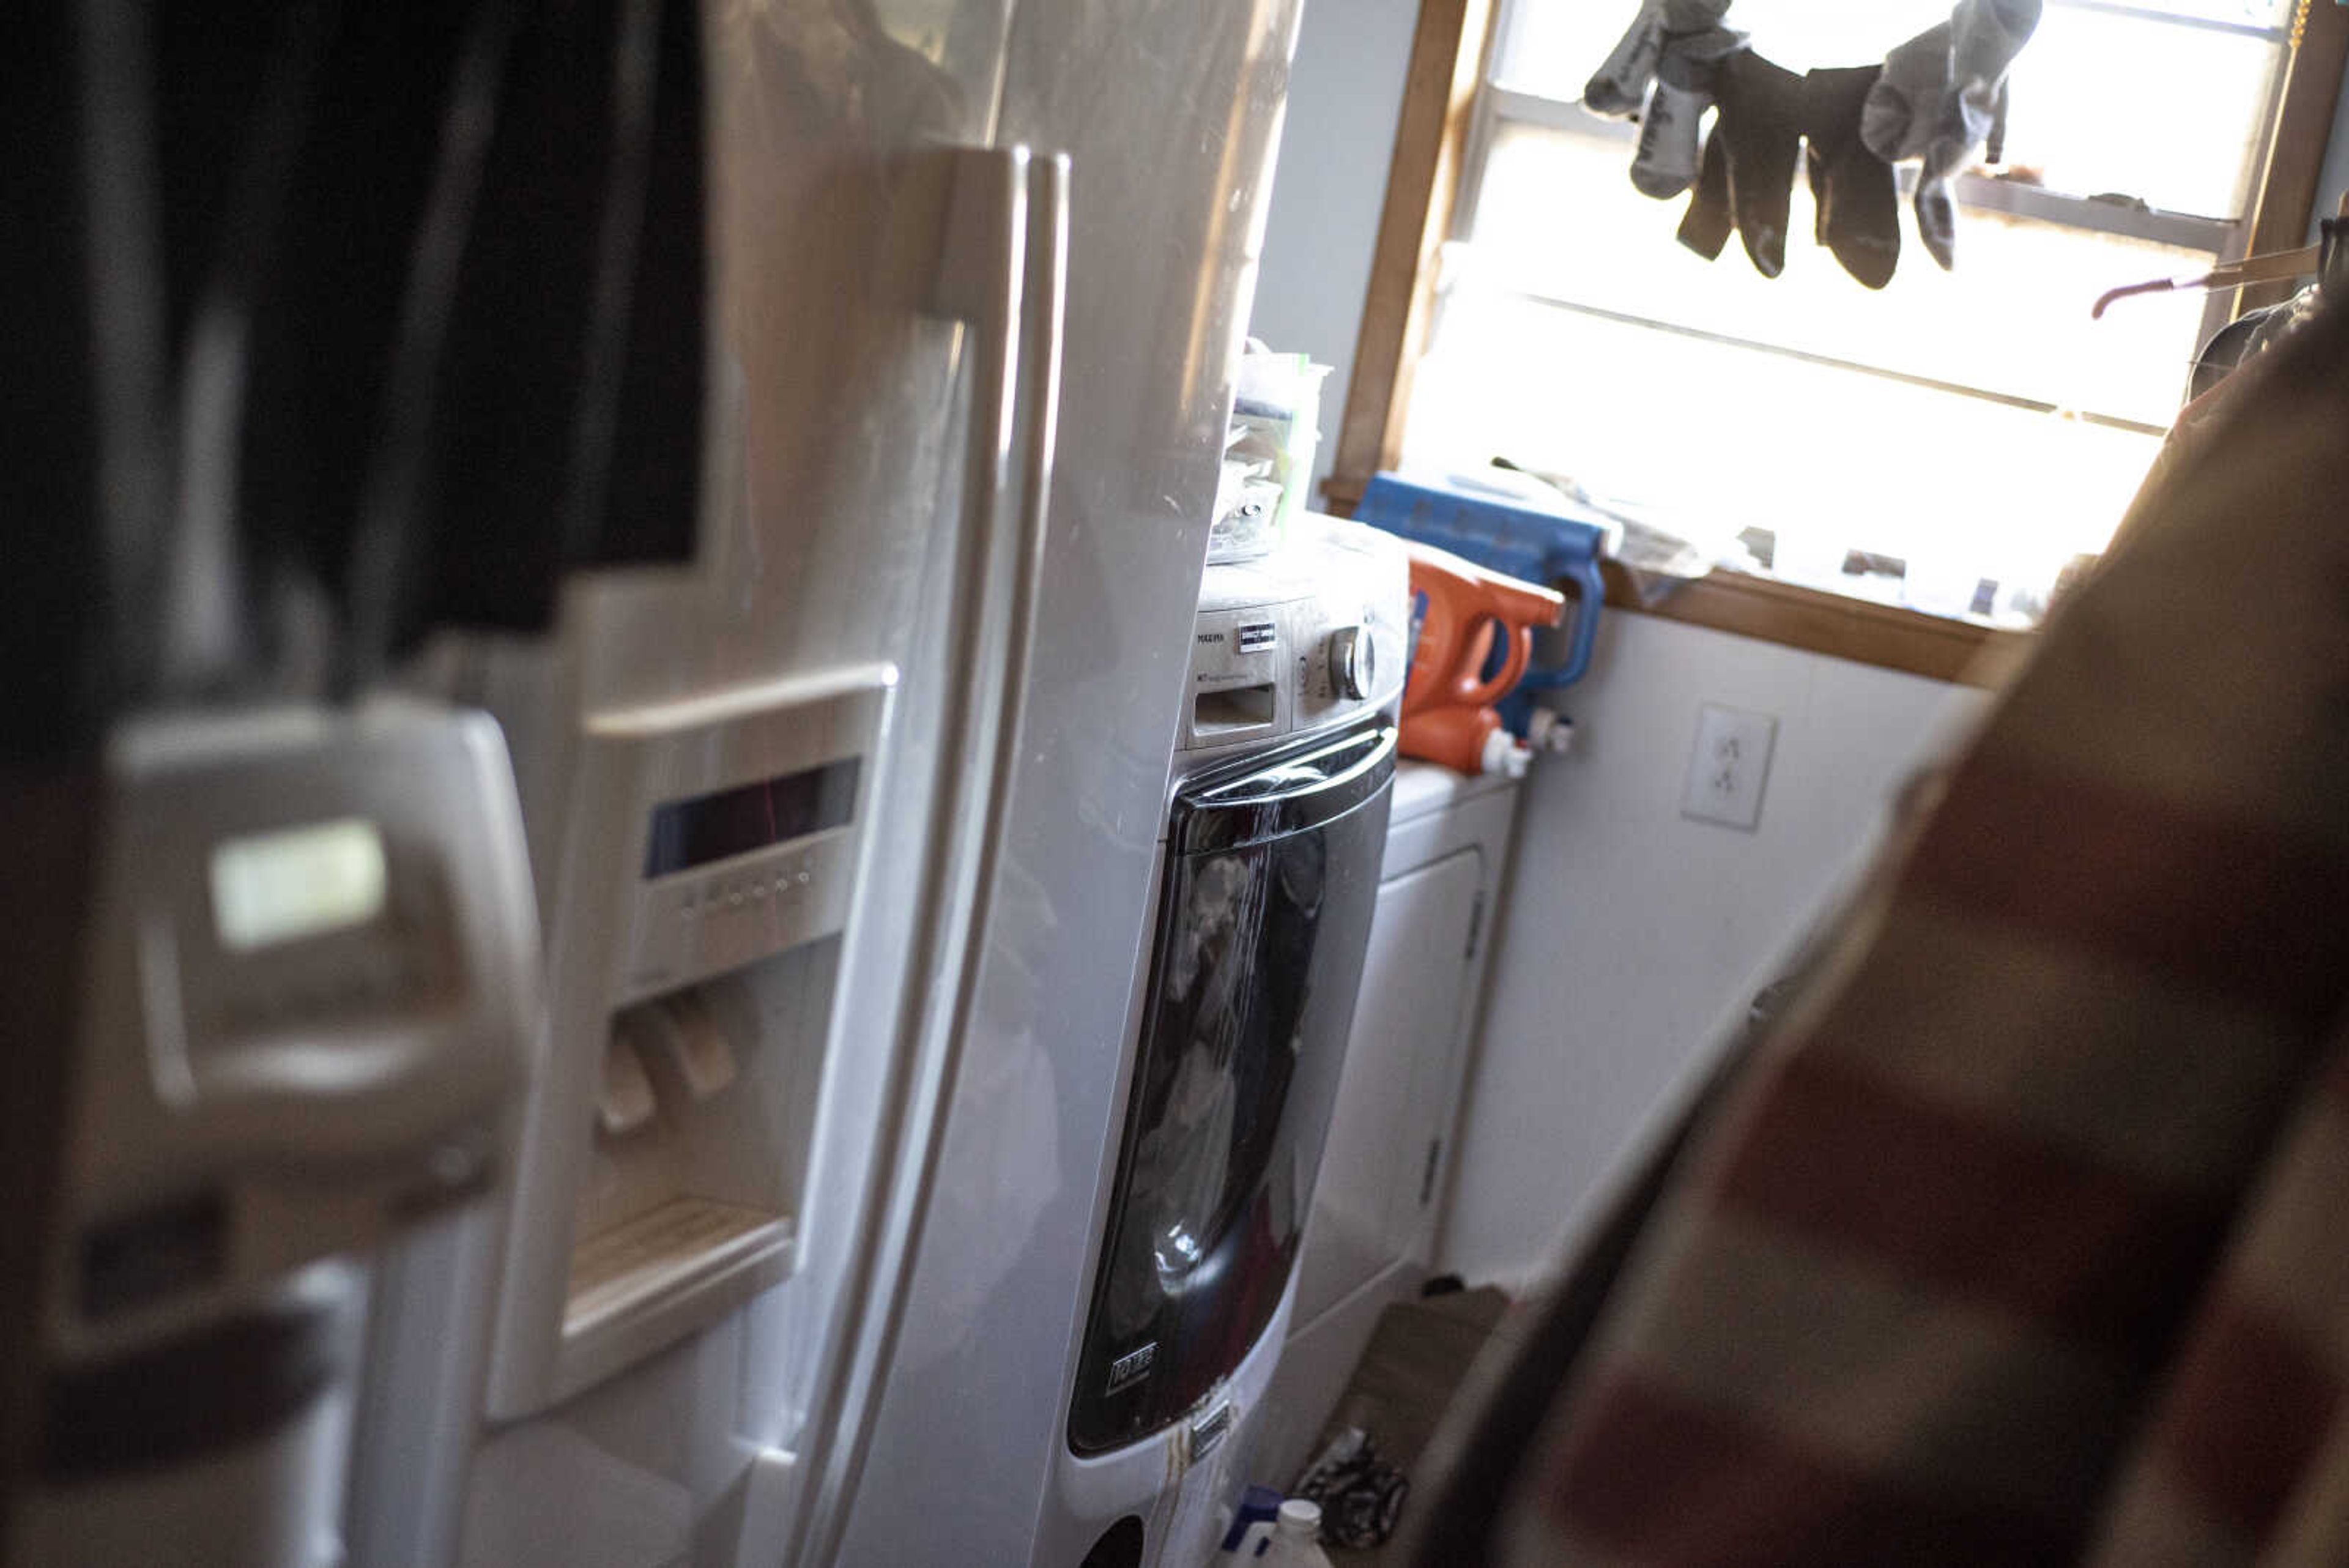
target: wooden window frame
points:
(1449, 48)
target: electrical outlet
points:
(1729, 766)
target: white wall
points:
(1344, 97)
(1629, 933)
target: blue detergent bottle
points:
(1516, 530)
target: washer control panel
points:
(1310, 635)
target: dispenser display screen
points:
(273, 887)
(730, 822)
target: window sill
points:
(1886, 635)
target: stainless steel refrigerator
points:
(844, 838)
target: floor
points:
(1418, 1358)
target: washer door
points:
(1271, 877)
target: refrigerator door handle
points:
(1044, 330)
(1003, 270)
(982, 280)
(1010, 210)
(1012, 440)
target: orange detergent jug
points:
(1458, 611)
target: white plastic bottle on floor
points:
(1296, 1537)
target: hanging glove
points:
(1618, 89)
(1707, 225)
(1941, 100)
(1857, 199)
(1748, 179)
(1985, 36)
(1896, 121)
(1687, 74)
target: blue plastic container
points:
(1504, 533)
(1258, 1504)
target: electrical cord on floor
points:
(1362, 1495)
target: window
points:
(1950, 444)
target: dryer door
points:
(1271, 875)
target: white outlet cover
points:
(1729, 766)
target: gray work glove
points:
(1618, 89)
(1942, 99)
(1686, 75)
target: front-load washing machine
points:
(1269, 869)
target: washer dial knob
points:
(1353, 661)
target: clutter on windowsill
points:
(1656, 562)
(1717, 581)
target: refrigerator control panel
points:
(747, 817)
(698, 925)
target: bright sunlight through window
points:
(1950, 444)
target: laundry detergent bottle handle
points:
(1469, 684)
(1591, 592)
(1462, 608)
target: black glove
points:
(1748, 174)
(1859, 200)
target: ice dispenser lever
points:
(686, 1031)
(623, 1101)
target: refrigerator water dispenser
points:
(710, 880)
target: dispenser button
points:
(624, 1102)
(687, 1035)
